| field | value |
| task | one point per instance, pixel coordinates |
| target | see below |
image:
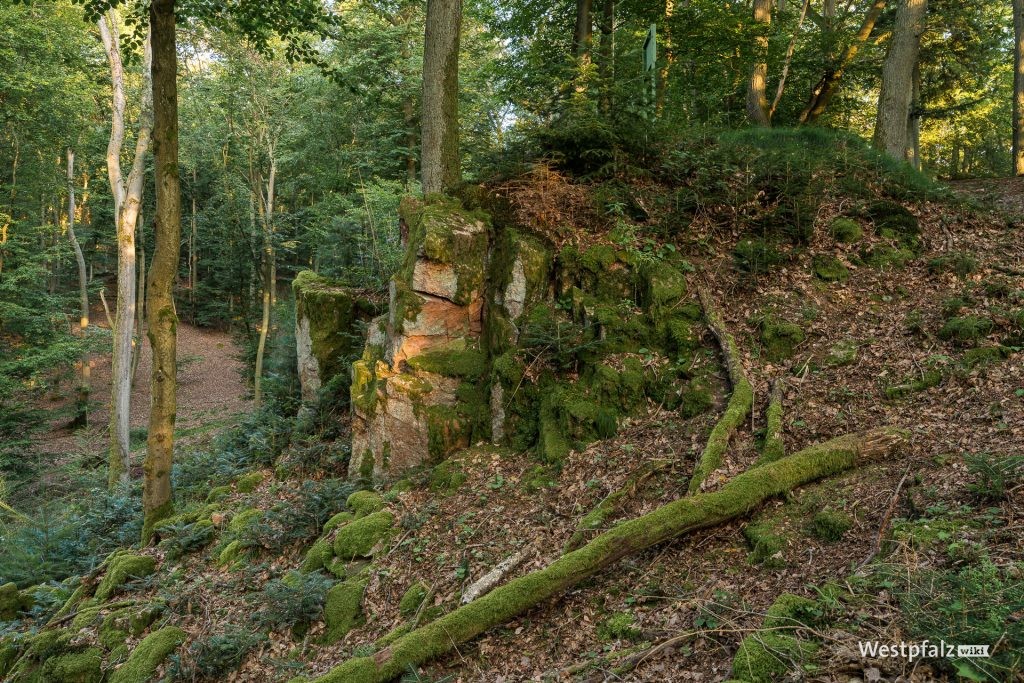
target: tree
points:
(757, 99)
(83, 294)
(896, 95)
(157, 502)
(127, 195)
(1018, 87)
(440, 165)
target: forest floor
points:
(212, 391)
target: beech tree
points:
(83, 294)
(757, 98)
(440, 117)
(1018, 87)
(896, 95)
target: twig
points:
(885, 520)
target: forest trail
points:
(211, 391)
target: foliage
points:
(213, 657)
(299, 518)
(293, 599)
(994, 474)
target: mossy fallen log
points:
(740, 402)
(774, 446)
(738, 497)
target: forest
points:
(451, 341)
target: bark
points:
(440, 117)
(161, 316)
(914, 121)
(127, 195)
(606, 64)
(583, 34)
(1018, 87)
(266, 209)
(827, 87)
(739, 497)
(82, 418)
(757, 98)
(894, 98)
(140, 297)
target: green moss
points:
(664, 286)
(231, 552)
(736, 411)
(358, 538)
(141, 619)
(774, 446)
(249, 482)
(147, 656)
(364, 502)
(467, 363)
(413, 598)
(959, 263)
(697, 399)
(447, 476)
(13, 601)
(926, 380)
(448, 430)
(77, 667)
(966, 330)
(9, 653)
(153, 517)
(843, 352)
(780, 338)
(121, 569)
(984, 355)
(845, 230)
(218, 493)
(318, 556)
(768, 654)
(829, 268)
(830, 525)
(893, 220)
(885, 257)
(363, 391)
(343, 608)
(338, 520)
(619, 626)
(243, 519)
(765, 544)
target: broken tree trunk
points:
(774, 447)
(738, 497)
(740, 403)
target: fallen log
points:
(740, 402)
(738, 497)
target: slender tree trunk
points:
(914, 122)
(757, 99)
(661, 88)
(1018, 87)
(127, 205)
(140, 299)
(82, 418)
(894, 98)
(267, 217)
(440, 137)
(193, 259)
(789, 60)
(606, 65)
(157, 502)
(823, 92)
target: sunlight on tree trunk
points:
(1018, 87)
(440, 138)
(757, 99)
(894, 98)
(266, 209)
(161, 316)
(82, 416)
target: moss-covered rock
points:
(230, 553)
(343, 608)
(243, 519)
(218, 493)
(248, 483)
(13, 602)
(780, 338)
(76, 667)
(147, 656)
(413, 598)
(365, 502)
(829, 268)
(766, 544)
(769, 653)
(894, 221)
(358, 538)
(318, 556)
(338, 520)
(886, 257)
(122, 568)
(447, 476)
(830, 525)
(845, 230)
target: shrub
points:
(294, 599)
(298, 519)
(213, 657)
(757, 256)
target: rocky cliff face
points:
(494, 334)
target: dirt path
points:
(211, 391)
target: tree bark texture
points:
(1018, 87)
(440, 116)
(894, 98)
(82, 418)
(757, 98)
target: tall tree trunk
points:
(661, 87)
(790, 49)
(1018, 87)
(606, 65)
(157, 502)
(440, 138)
(583, 33)
(140, 298)
(193, 259)
(914, 121)
(127, 205)
(82, 417)
(822, 93)
(757, 99)
(894, 98)
(266, 209)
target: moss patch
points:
(959, 263)
(413, 598)
(358, 538)
(830, 525)
(343, 608)
(829, 268)
(147, 656)
(768, 654)
(966, 330)
(619, 626)
(780, 338)
(845, 230)
(363, 503)
(249, 482)
(121, 569)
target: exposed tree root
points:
(739, 496)
(774, 447)
(740, 403)
(612, 503)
